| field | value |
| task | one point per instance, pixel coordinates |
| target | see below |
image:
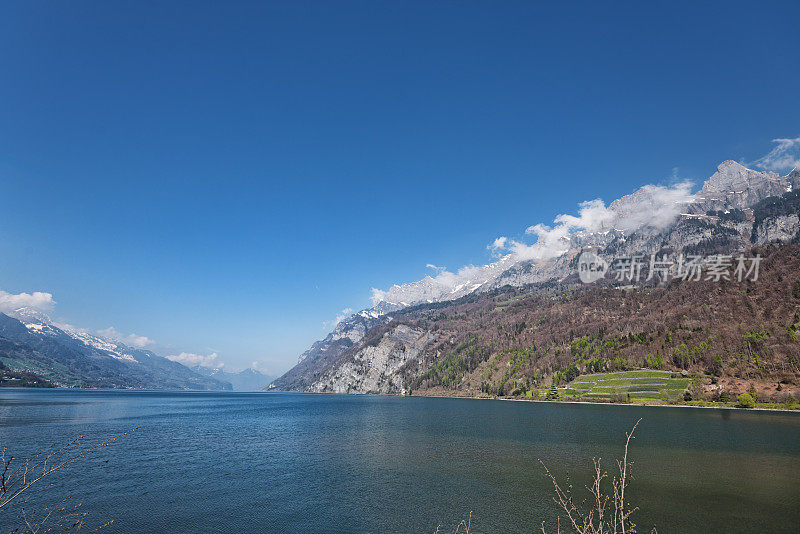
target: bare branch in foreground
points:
(466, 523)
(594, 519)
(18, 477)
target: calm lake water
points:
(237, 462)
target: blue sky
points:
(226, 177)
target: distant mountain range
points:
(390, 347)
(247, 380)
(30, 342)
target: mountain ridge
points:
(736, 208)
(73, 358)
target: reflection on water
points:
(228, 462)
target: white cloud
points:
(261, 367)
(785, 156)
(378, 295)
(593, 216)
(434, 287)
(37, 300)
(654, 206)
(341, 316)
(651, 206)
(193, 360)
(131, 339)
(496, 246)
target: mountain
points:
(734, 186)
(247, 380)
(397, 342)
(323, 353)
(730, 334)
(644, 222)
(30, 342)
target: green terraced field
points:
(638, 384)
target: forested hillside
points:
(729, 335)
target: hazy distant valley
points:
(61, 356)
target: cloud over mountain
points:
(341, 316)
(131, 339)
(34, 307)
(655, 206)
(191, 359)
(785, 156)
(38, 300)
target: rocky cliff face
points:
(324, 353)
(782, 228)
(375, 368)
(734, 186)
(735, 209)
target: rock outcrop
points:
(375, 368)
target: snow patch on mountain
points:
(40, 323)
(652, 206)
(645, 214)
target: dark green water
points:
(228, 462)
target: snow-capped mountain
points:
(72, 357)
(737, 207)
(734, 186)
(444, 286)
(40, 323)
(649, 218)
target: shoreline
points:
(639, 404)
(432, 396)
(511, 399)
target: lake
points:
(263, 462)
